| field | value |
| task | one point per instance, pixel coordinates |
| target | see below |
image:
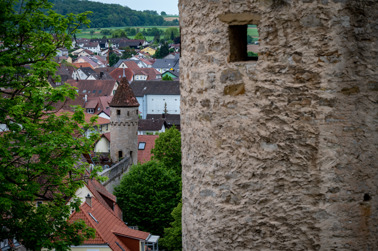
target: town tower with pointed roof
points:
(124, 124)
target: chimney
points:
(85, 98)
(88, 200)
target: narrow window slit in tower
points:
(244, 45)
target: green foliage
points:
(113, 59)
(172, 240)
(252, 54)
(106, 32)
(118, 33)
(167, 78)
(162, 51)
(167, 150)
(147, 194)
(171, 33)
(139, 36)
(163, 13)
(110, 15)
(128, 53)
(39, 153)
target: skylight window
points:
(93, 217)
(142, 145)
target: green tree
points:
(128, 53)
(106, 32)
(172, 239)
(167, 78)
(167, 150)
(92, 32)
(147, 194)
(139, 35)
(162, 51)
(171, 33)
(39, 150)
(163, 13)
(113, 59)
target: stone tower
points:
(280, 151)
(124, 124)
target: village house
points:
(99, 210)
(149, 50)
(157, 97)
(95, 88)
(92, 46)
(163, 65)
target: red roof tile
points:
(118, 73)
(86, 64)
(145, 154)
(94, 88)
(107, 223)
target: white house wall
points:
(156, 103)
(102, 146)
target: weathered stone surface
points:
(291, 162)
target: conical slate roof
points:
(124, 96)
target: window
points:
(84, 91)
(239, 38)
(128, 113)
(99, 91)
(39, 203)
(119, 154)
(243, 35)
(118, 112)
(90, 110)
(141, 145)
(136, 112)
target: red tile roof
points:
(105, 221)
(145, 155)
(106, 135)
(94, 88)
(86, 64)
(117, 74)
(124, 96)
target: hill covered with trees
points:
(110, 15)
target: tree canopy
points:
(39, 150)
(110, 15)
(172, 239)
(147, 194)
(162, 51)
(167, 150)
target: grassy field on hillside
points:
(85, 33)
(252, 31)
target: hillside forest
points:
(111, 15)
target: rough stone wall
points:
(280, 154)
(115, 174)
(124, 133)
